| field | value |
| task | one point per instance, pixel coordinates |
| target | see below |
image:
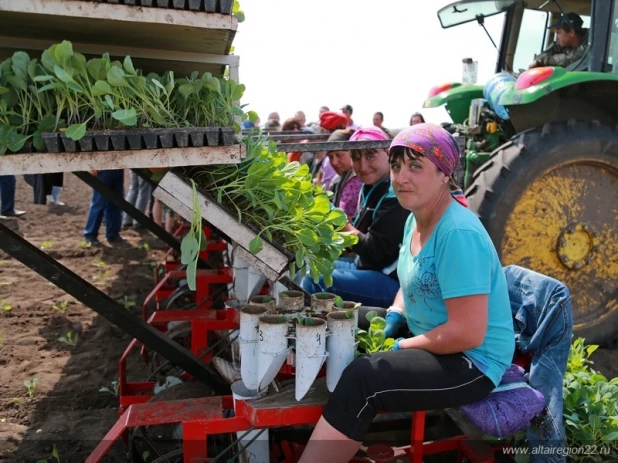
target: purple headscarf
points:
(433, 142)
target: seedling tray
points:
(137, 139)
(208, 6)
(176, 192)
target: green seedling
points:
(374, 340)
(6, 308)
(85, 244)
(305, 321)
(339, 302)
(55, 456)
(70, 338)
(15, 400)
(6, 283)
(1, 340)
(128, 304)
(145, 455)
(113, 390)
(3, 263)
(98, 264)
(62, 307)
(31, 386)
(193, 242)
(48, 244)
(146, 246)
(349, 314)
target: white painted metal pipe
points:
(310, 354)
(292, 300)
(322, 302)
(248, 339)
(259, 450)
(273, 348)
(340, 346)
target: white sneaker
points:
(52, 202)
(228, 370)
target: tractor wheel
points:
(549, 200)
(163, 443)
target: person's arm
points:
(465, 329)
(395, 316)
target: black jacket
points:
(381, 221)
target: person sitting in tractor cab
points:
(571, 43)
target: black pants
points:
(402, 381)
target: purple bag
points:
(508, 408)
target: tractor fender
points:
(457, 100)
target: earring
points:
(445, 180)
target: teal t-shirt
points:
(458, 260)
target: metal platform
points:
(41, 163)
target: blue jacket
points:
(543, 320)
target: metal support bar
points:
(125, 206)
(335, 145)
(145, 175)
(101, 303)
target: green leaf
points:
(128, 66)
(116, 77)
(76, 131)
(191, 274)
(377, 323)
(256, 245)
(339, 302)
(389, 343)
(308, 237)
(188, 248)
(101, 88)
(253, 116)
(328, 280)
(240, 16)
(17, 83)
(127, 116)
(300, 257)
(371, 315)
(55, 453)
(63, 75)
(185, 90)
(110, 103)
(43, 78)
(97, 68)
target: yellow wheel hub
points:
(576, 246)
(565, 225)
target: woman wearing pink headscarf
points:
(453, 299)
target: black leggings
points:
(402, 381)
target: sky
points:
(376, 56)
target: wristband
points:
(397, 346)
(395, 309)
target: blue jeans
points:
(7, 194)
(138, 196)
(99, 207)
(369, 287)
(543, 321)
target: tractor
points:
(540, 150)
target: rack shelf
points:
(177, 194)
(40, 163)
(160, 39)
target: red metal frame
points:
(202, 321)
(204, 416)
(203, 280)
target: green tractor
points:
(540, 163)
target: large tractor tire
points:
(549, 200)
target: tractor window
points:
(531, 40)
(612, 57)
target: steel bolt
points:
(585, 227)
(589, 261)
(594, 234)
(571, 230)
(577, 265)
(597, 248)
(562, 243)
(564, 258)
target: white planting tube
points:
(248, 339)
(340, 346)
(273, 348)
(310, 354)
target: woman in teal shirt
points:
(453, 298)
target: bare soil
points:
(67, 410)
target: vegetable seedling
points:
(31, 386)
(48, 244)
(6, 308)
(62, 307)
(374, 340)
(70, 338)
(128, 304)
(113, 390)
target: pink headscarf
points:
(369, 133)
